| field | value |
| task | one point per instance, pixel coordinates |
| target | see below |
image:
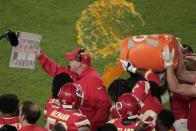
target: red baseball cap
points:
(79, 55)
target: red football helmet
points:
(71, 95)
(114, 113)
(127, 106)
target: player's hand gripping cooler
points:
(144, 51)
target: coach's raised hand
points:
(38, 52)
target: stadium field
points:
(56, 21)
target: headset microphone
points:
(11, 37)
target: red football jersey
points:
(52, 102)
(71, 119)
(121, 127)
(150, 106)
(141, 90)
(179, 106)
(14, 121)
(151, 76)
(192, 115)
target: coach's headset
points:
(79, 56)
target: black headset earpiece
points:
(78, 56)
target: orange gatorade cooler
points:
(145, 51)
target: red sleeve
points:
(80, 120)
(52, 68)
(151, 76)
(141, 90)
(99, 101)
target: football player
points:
(58, 81)
(128, 109)
(186, 89)
(70, 97)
